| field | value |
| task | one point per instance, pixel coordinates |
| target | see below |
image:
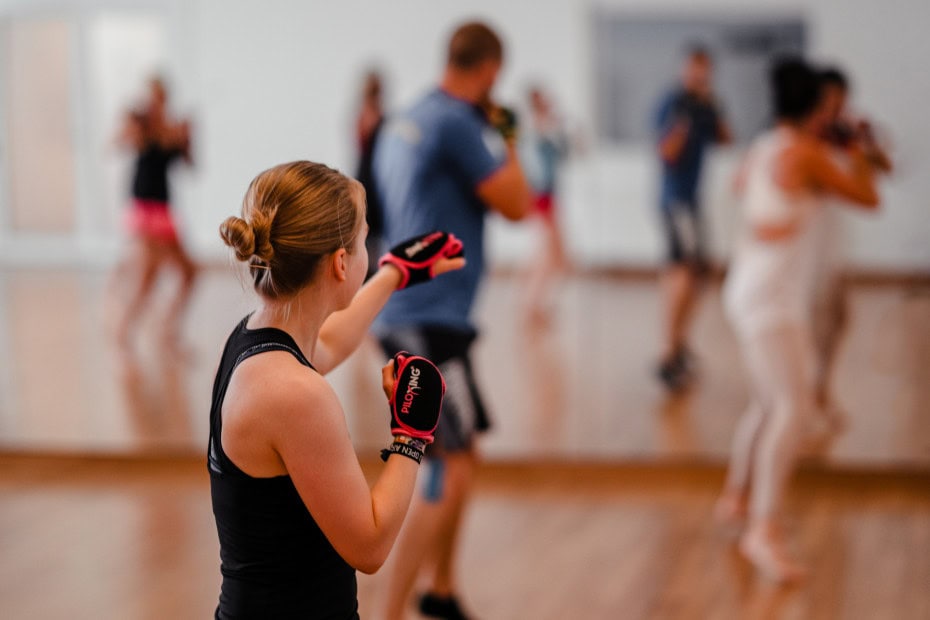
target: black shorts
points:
(683, 232)
(463, 411)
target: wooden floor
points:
(134, 538)
(580, 390)
(594, 501)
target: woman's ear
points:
(340, 265)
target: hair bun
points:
(239, 235)
(261, 233)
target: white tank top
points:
(769, 282)
(830, 224)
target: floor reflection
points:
(155, 392)
(579, 387)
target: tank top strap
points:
(243, 343)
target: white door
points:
(65, 84)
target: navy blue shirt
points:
(680, 178)
(427, 165)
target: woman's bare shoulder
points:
(266, 389)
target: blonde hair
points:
(292, 216)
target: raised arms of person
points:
(874, 151)
(856, 185)
(673, 141)
(130, 133)
(183, 136)
(724, 134)
(507, 190)
(343, 331)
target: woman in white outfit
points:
(787, 174)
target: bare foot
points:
(731, 509)
(538, 317)
(766, 552)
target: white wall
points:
(276, 80)
(279, 80)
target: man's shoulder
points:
(438, 108)
(672, 95)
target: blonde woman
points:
(295, 516)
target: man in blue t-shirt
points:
(444, 165)
(687, 121)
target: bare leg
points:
(462, 468)
(429, 531)
(548, 265)
(146, 265)
(187, 271)
(680, 287)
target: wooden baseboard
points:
(856, 277)
(21, 467)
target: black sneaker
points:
(673, 375)
(687, 361)
(446, 607)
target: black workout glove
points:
(504, 120)
(416, 257)
(415, 405)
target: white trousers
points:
(780, 361)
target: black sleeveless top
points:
(150, 181)
(275, 560)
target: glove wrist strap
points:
(405, 446)
(389, 259)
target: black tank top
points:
(150, 181)
(275, 560)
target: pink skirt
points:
(544, 204)
(151, 219)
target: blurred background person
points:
(688, 120)
(545, 147)
(787, 174)
(444, 164)
(158, 141)
(829, 286)
(368, 123)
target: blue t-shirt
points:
(680, 178)
(427, 164)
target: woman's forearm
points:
(390, 501)
(343, 331)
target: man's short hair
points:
(698, 51)
(834, 76)
(472, 44)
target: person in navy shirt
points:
(444, 164)
(688, 120)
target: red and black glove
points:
(416, 257)
(415, 405)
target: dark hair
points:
(795, 88)
(473, 43)
(371, 87)
(292, 216)
(696, 49)
(834, 76)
